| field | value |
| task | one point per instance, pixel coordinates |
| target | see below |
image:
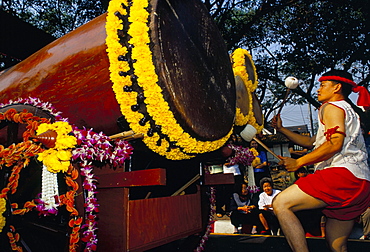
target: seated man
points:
(267, 216)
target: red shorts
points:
(346, 195)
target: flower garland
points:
(18, 156)
(239, 69)
(211, 220)
(57, 159)
(36, 102)
(240, 118)
(254, 123)
(13, 239)
(68, 199)
(87, 146)
(253, 189)
(238, 59)
(93, 146)
(2, 210)
(49, 198)
(242, 155)
(180, 145)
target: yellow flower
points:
(157, 107)
(57, 159)
(240, 118)
(239, 67)
(256, 161)
(64, 155)
(2, 210)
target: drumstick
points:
(249, 134)
(122, 134)
(132, 137)
(291, 83)
(285, 98)
(266, 148)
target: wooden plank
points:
(219, 179)
(148, 177)
(157, 221)
(112, 223)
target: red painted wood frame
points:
(138, 225)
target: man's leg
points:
(365, 221)
(264, 221)
(285, 204)
(337, 233)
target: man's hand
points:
(276, 122)
(290, 164)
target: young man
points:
(341, 182)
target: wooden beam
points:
(219, 179)
(148, 177)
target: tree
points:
(54, 17)
(302, 38)
(298, 37)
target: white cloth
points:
(251, 181)
(265, 199)
(353, 155)
(232, 169)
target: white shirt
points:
(265, 199)
(353, 155)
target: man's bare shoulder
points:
(329, 108)
(332, 116)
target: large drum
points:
(160, 67)
(180, 90)
(248, 107)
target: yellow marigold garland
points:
(2, 210)
(240, 118)
(239, 69)
(19, 156)
(238, 58)
(58, 159)
(252, 121)
(144, 69)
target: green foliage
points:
(301, 38)
(55, 17)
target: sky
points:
(294, 115)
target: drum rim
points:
(176, 147)
(239, 57)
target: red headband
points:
(363, 93)
(337, 78)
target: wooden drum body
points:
(72, 74)
(157, 67)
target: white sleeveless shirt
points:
(353, 155)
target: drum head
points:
(249, 65)
(243, 97)
(193, 67)
(257, 109)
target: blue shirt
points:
(263, 158)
